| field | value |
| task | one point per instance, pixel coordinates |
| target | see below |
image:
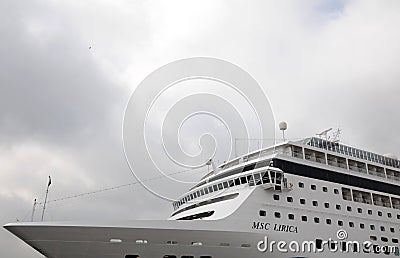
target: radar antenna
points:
(283, 128)
(336, 135)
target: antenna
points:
(33, 210)
(283, 128)
(336, 135)
(45, 199)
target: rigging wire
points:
(113, 188)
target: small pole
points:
(45, 199)
(33, 210)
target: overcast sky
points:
(67, 69)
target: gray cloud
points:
(322, 64)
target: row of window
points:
(350, 151)
(327, 205)
(328, 221)
(370, 198)
(250, 179)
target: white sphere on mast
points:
(283, 127)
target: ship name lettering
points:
(261, 225)
(285, 228)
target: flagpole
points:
(45, 199)
(33, 210)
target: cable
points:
(112, 188)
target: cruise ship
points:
(268, 203)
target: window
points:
(225, 185)
(359, 210)
(326, 205)
(289, 199)
(328, 221)
(315, 203)
(369, 212)
(301, 185)
(340, 223)
(304, 218)
(325, 189)
(338, 207)
(380, 213)
(382, 228)
(351, 224)
(398, 216)
(348, 208)
(372, 227)
(276, 197)
(316, 219)
(277, 215)
(389, 215)
(373, 238)
(263, 213)
(392, 230)
(291, 216)
(313, 187)
(395, 240)
(302, 201)
(384, 239)
(362, 225)
(335, 191)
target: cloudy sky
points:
(67, 69)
